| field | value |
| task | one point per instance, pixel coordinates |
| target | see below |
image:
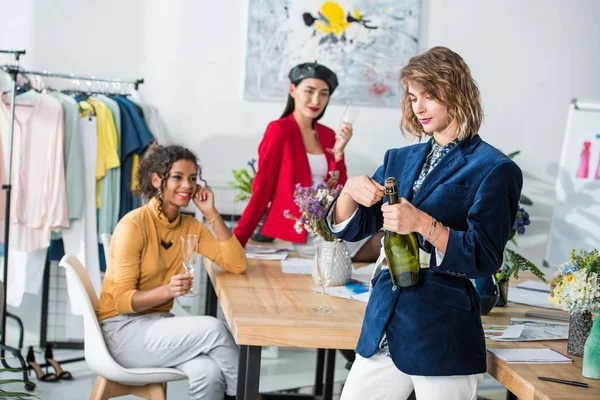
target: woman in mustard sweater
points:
(145, 273)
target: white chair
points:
(177, 310)
(113, 380)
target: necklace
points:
(166, 246)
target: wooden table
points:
(265, 307)
(521, 379)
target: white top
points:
(318, 168)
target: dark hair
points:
(159, 161)
(291, 104)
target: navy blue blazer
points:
(434, 328)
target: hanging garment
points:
(110, 189)
(135, 137)
(72, 150)
(153, 119)
(81, 238)
(38, 200)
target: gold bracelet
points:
(213, 220)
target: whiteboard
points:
(576, 216)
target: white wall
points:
(529, 58)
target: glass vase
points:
(580, 325)
(503, 294)
(487, 289)
(591, 352)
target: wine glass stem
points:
(322, 296)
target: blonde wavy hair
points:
(445, 76)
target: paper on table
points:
(530, 298)
(535, 285)
(498, 332)
(535, 329)
(297, 266)
(527, 356)
(354, 290)
(282, 255)
(259, 249)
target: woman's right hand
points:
(180, 284)
(364, 190)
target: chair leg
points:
(105, 389)
(154, 391)
(99, 389)
(158, 391)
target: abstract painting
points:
(365, 42)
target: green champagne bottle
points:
(401, 251)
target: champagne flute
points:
(325, 257)
(189, 250)
(350, 114)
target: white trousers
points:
(377, 378)
(200, 346)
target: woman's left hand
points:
(403, 217)
(204, 199)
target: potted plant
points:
(16, 395)
(513, 261)
(242, 182)
(575, 288)
(493, 290)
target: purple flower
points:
(521, 221)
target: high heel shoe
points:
(47, 377)
(66, 375)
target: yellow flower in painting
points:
(335, 19)
(569, 277)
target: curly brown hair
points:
(160, 161)
(446, 77)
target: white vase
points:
(338, 255)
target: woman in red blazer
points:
(283, 156)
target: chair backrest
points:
(106, 238)
(96, 354)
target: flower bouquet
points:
(312, 204)
(575, 288)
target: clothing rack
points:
(16, 53)
(13, 71)
(3, 346)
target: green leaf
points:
(518, 262)
(525, 201)
(513, 154)
(17, 395)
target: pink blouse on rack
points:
(38, 199)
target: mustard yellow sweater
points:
(138, 261)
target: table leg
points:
(252, 372)
(241, 384)
(210, 305)
(320, 370)
(249, 372)
(329, 374)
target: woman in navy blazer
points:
(460, 197)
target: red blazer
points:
(282, 163)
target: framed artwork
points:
(365, 42)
